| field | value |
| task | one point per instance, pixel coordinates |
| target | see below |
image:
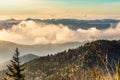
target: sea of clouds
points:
(30, 32)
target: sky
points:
(59, 8)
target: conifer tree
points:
(119, 70)
(15, 70)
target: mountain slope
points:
(84, 57)
(76, 64)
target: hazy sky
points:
(59, 8)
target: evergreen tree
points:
(119, 70)
(15, 70)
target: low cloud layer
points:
(30, 32)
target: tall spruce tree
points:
(15, 69)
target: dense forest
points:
(97, 60)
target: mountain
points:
(84, 24)
(4, 25)
(12, 21)
(93, 60)
(75, 62)
(7, 49)
(23, 59)
(27, 58)
(71, 23)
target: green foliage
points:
(15, 70)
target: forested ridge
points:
(92, 60)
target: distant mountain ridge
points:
(23, 59)
(84, 24)
(7, 49)
(27, 58)
(4, 25)
(72, 23)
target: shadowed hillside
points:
(97, 59)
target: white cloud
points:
(30, 32)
